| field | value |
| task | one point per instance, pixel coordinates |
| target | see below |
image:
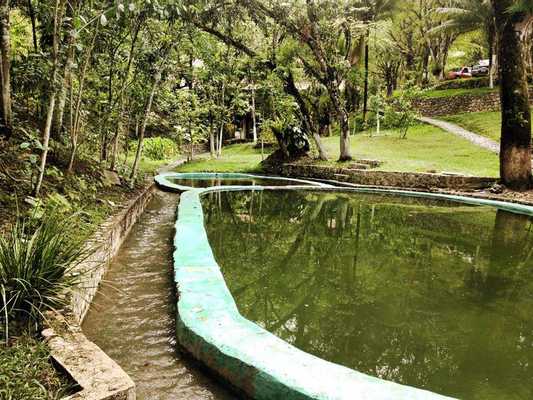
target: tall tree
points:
(5, 67)
(515, 147)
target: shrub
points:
(158, 148)
(400, 113)
(37, 266)
(471, 83)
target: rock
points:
(497, 188)
(358, 166)
(111, 178)
(370, 163)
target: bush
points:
(37, 268)
(400, 113)
(470, 83)
(158, 148)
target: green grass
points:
(486, 124)
(456, 92)
(426, 149)
(235, 158)
(27, 374)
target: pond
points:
(432, 294)
(208, 182)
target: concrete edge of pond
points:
(210, 327)
(97, 375)
(163, 179)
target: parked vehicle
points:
(480, 70)
(458, 73)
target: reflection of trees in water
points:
(392, 288)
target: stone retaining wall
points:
(107, 241)
(435, 107)
(97, 375)
(414, 180)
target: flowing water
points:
(133, 315)
(436, 295)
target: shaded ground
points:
(85, 189)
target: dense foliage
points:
(83, 80)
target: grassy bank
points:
(426, 149)
(487, 124)
(234, 158)
(434, 93)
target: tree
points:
(58, 13)
(5, 69)
(371, 11)
(515, 146)
(468, 16)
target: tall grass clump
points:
(37, 269)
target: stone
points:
(497, 188)
(111, 178)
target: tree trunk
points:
(220, 137)
(515, 147)
(254, 122)
(308, 122)
(119, 126)
(492, 43)
(46, 140)
(31, 13)
(62, 96)
(135, 166)
(58, 18)
(344, 124)
(5, 50)
(76, 119)
(365, 91)
(211, 137)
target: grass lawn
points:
(487, 123)
(235, 158)
(426, 149)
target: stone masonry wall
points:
(426, 181)
(435, 107)
(107, 242)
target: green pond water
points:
(436, 295)
(244, 181)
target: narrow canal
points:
(133, 315)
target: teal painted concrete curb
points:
(162, 179)
(210, 327)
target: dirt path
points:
(476, 139)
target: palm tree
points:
(512, 20)
(467, 16)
